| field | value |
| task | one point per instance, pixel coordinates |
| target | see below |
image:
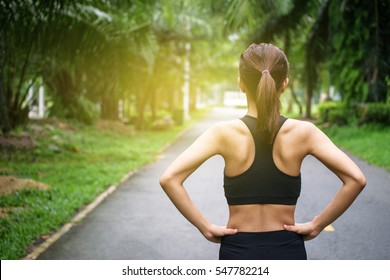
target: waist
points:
(260, 217)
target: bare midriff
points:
(260, 217)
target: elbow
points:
(360, 181)
(363, 182)
(166, 180)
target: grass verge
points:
(77, 163)
(369, 142)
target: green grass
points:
(91, 159)
(370, 143)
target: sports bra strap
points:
(250, 122)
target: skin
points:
(295, 140)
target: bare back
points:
(239, 153)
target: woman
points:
(263, 153)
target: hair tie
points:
(265, 71)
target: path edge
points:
(39, 249)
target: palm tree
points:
(71, 45)
(348, 37)
(30, 38)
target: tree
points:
(30, 39)
(283, 23)
(360, 62)
(20, 22)
(346, 37)
(74, 46)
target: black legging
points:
(273, 245)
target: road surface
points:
(139, 222)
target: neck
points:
(252, 110)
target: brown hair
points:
(263, 69)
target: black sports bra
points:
(263, 182)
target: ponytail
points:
(263, 69)
(268, 107)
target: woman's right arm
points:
(206, 146)
(321, 147)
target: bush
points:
(338, 116)
(334, 112)
(85, 111)
(81, 109)
(378, 113)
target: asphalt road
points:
(138, 221)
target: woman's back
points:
(239, 154)
(263, 154)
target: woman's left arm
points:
(321, 147)
(206, 146)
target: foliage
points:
(334, 112)
(107, 52)
(345, 40)
(87, 160)
(101, 72)
(81, 109)
(339, 116)
(368, 142)
(377, 113)
(361, 113)
(359, 59)
(286, 24)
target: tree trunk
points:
(193, 96)
(109, 107)
(5, 124)
(153, 104)
(378, 74)
(141, 105)
(309, 96)
(295, 98)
